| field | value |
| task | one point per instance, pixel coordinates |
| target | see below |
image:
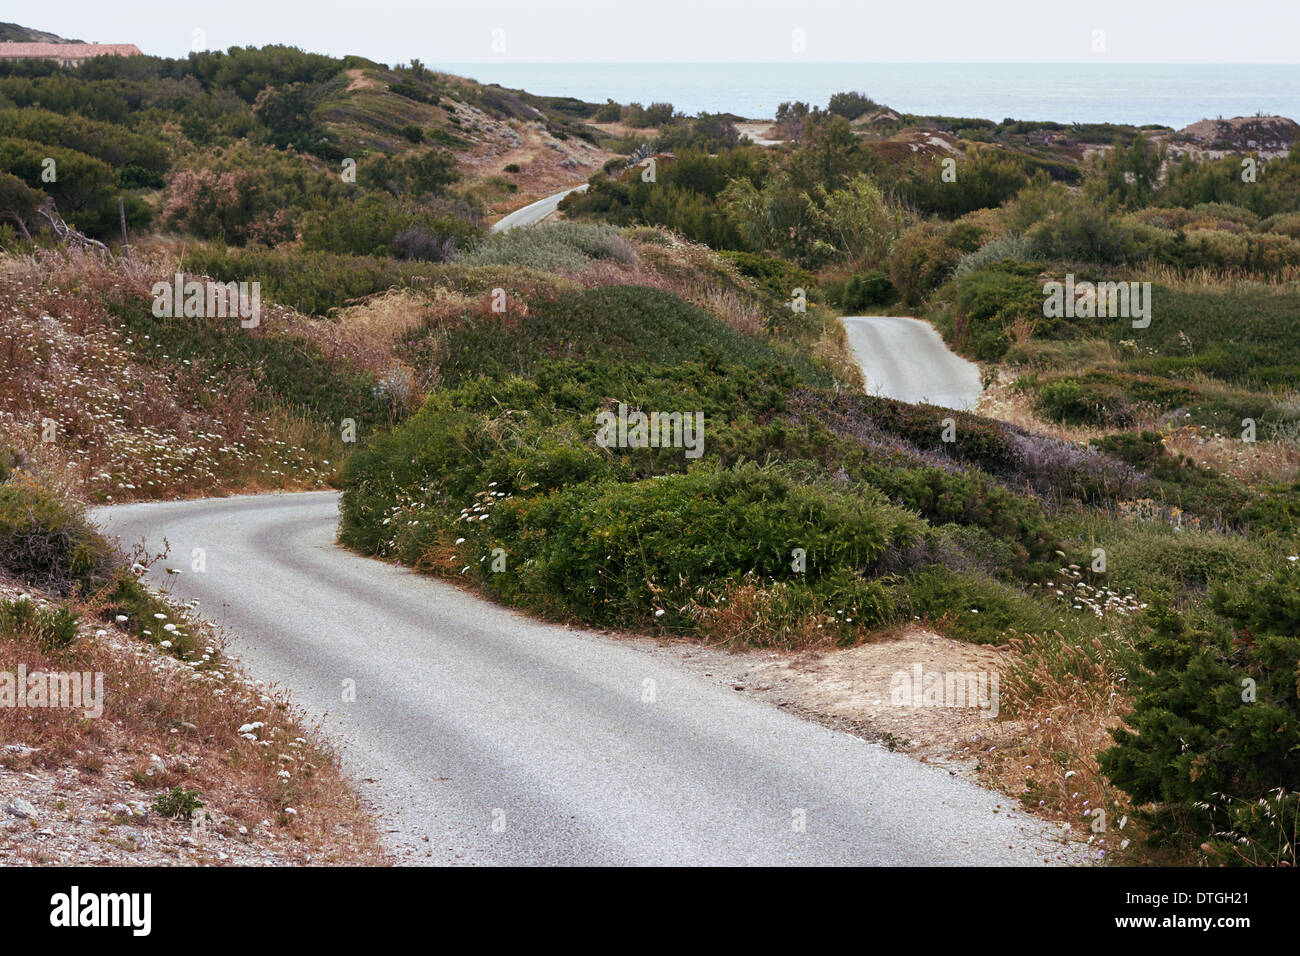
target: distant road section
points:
(535, 212)
(907, 359)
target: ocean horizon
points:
(1168, 94)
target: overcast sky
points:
(394, 31)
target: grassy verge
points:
(174, 756)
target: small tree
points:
(850, 105)
(18, 202)
(858, 221)
(920, 261)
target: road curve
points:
(908, 360)
(591, 750)
(534, 212)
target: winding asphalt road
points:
(498, 739)
(534, 212)
(907, 359)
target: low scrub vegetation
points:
(1123, 518)
(69, 603)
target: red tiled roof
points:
(66, 51)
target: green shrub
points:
(850, 105)
(619, 552)
(50, 629)
(1071, 402)
(969, 606)
(863, 291)
(311, 282)
(557, 247)
(1215, 727)
(375, 224)
(47, 542)
(289, 368)
(615, 323)
(416, 175)
(178, 802)
(989, 304)
(778, 277)
(1182, 483)
(108, 142)
(920, 261)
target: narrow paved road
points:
(908, 360)
(535, 212)
(580, 748)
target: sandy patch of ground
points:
(359, 81)
(853, 690)
(762, 132)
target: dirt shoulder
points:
(870, 691)
(83, 789)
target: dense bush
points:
(379, 224)
(526, 449)
(920, 261)
(559, 247)
(615, 323)
(108, 142)
(222, 205)
(617, 552)
(1191, 183)
(850, 105)
(778, 277)
(80, 189)
(418, 175)
(984, 178)
(18, 203)
(246, 194)
(991, 303)
(306, 281)
(1215, 727)
(1008, 246)
(1078, 403)
(685, 196)
(47, 542)
(862, 290)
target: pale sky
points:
(566, 31)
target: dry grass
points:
(367, 335)
(749, 613)
(1282, 281)
(1065, 698)
(833, 349)
(669, 268)
(1255, 463)
(190, 714)
(85, 411)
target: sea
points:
(1168, 94)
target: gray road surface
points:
(581, 748)
(535, 212)
(907, 359)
